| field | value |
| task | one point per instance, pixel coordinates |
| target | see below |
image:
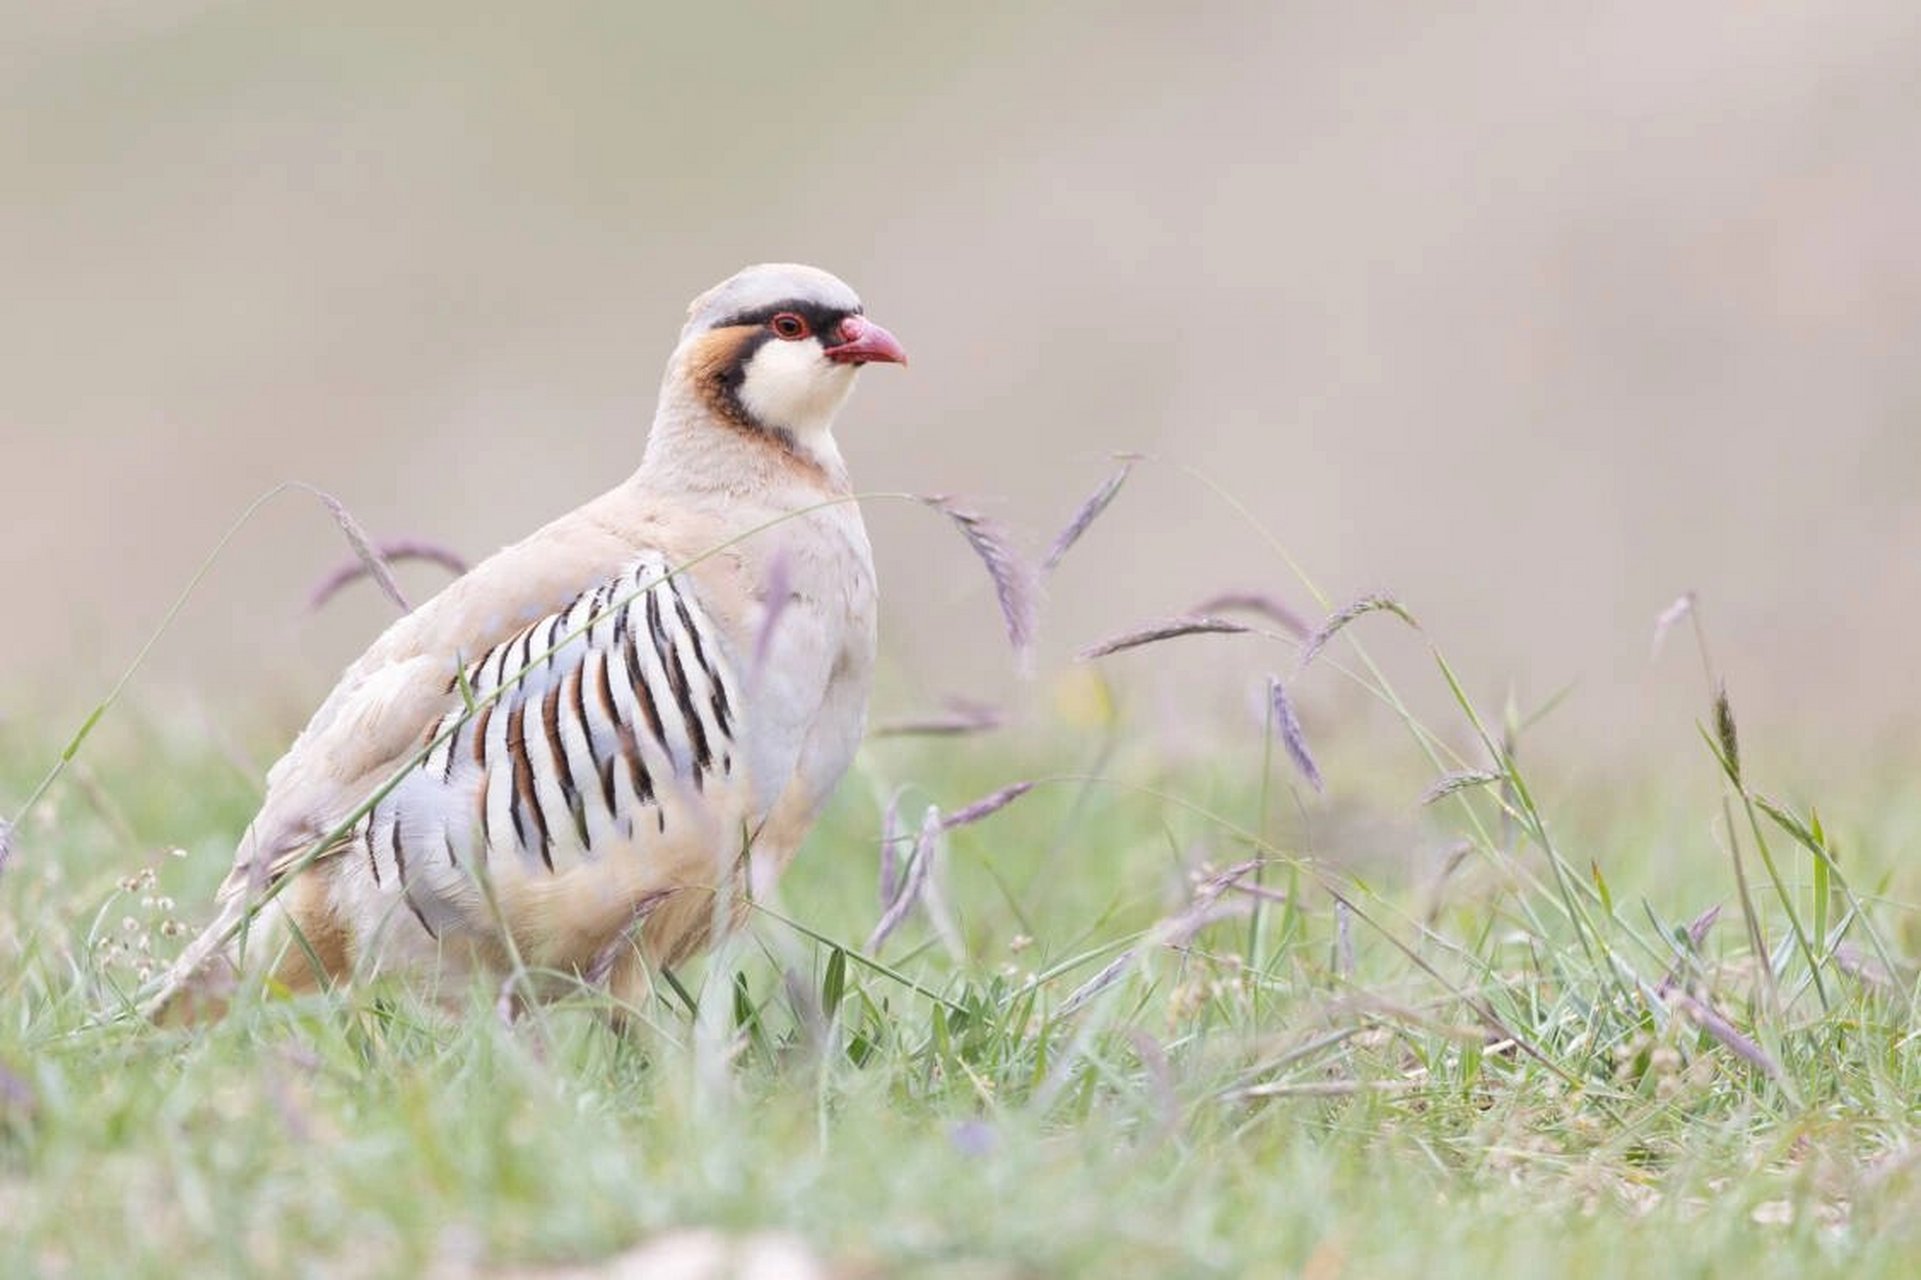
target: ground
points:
(1153, 1016)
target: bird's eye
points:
(789, 326)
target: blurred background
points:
(1534, 314)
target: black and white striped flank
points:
(570, 737)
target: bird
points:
(581, 757)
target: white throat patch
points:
(793, 387)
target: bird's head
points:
(775, 348)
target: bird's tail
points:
(199, 984)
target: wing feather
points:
(389, 700)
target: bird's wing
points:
(387, 703)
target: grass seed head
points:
(363, 547)
(1725, 734)
(1288, 725)
(1699, 926)
(1088, 512)
(1450, 783)
(987, 804)
(1016, 585)
(1154, 633)
(1338, 620)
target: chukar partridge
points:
(617, 719)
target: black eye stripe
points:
(819, 318)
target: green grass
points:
(1431, 1039)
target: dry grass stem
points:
(1154, 633)
(383, 554)
(1343, 938)
(1288, 725)
(913, 885)
(940, 915)
(1338, 620)
(1088, 512)
(1261, 891)
(1109, 974)
(1711, 1021)
(1326, 1088)
(1203, 908)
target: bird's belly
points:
(561, 904)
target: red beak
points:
(864, 342)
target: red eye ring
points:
(789, 327)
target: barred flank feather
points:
(585, 717)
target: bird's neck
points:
(698, 447)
